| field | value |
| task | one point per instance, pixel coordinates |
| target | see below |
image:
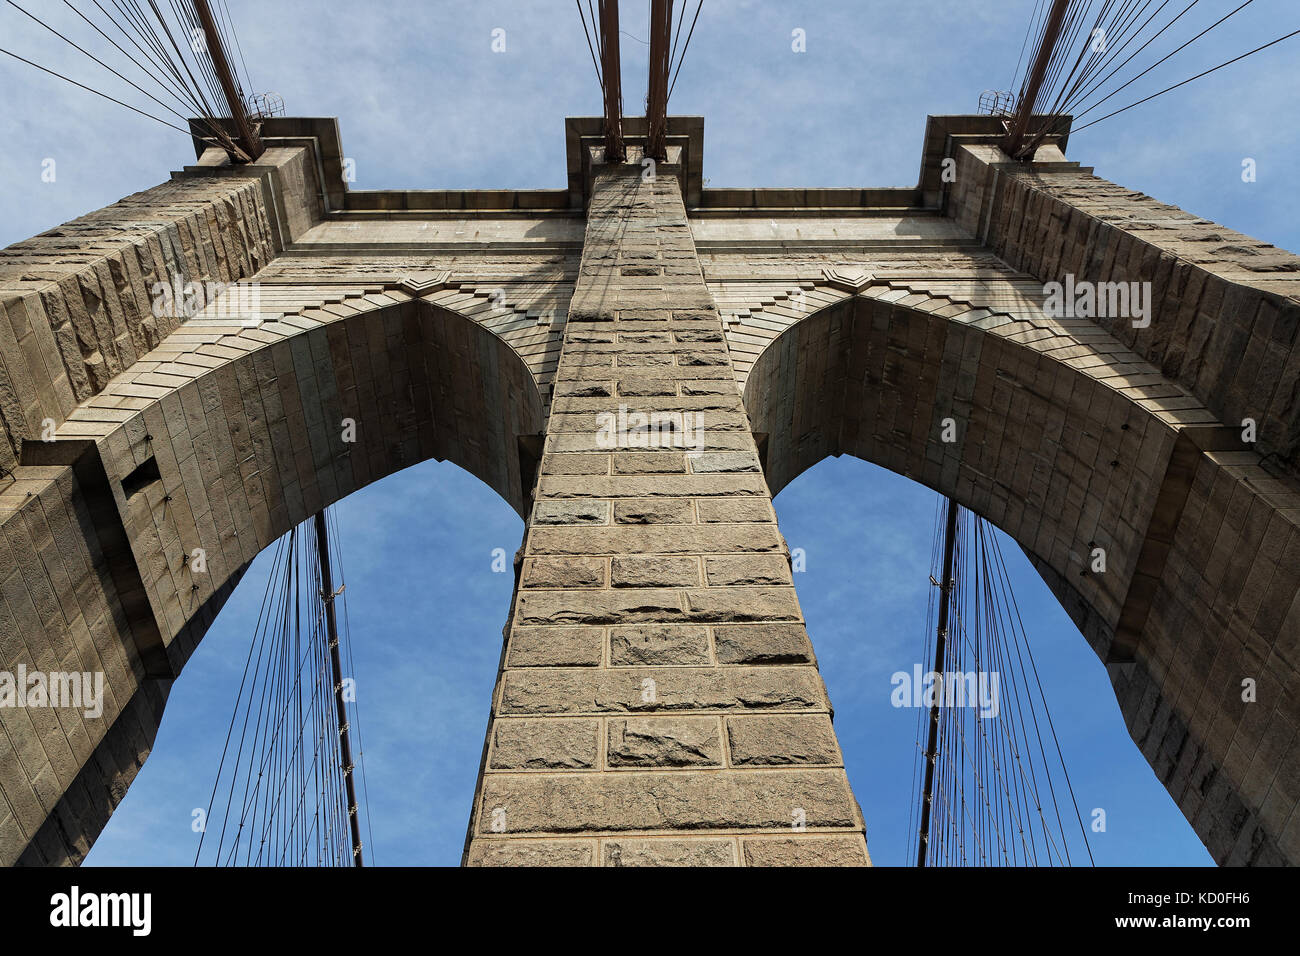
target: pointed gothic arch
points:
(227, 461)
(1063, 461)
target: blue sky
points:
(424, 102)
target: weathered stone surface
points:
(654, 511)
(577, 464)
(713, 510)
(563, 573)
(655, 572)
(647, 387)
(703, 358)
(649, 690)
(702, 439)
(571, 512)
(698, 335)
(667, 852)
(546, 744)
(664, 742)
(699, 539)
(747, 570)
(665, 801)
(649, 463)
(652, 486)
(780, 739)
(762, 644)
(657, 606)
(601, 607)
(811, 851)
(710, 462)
(654, 644)
(642, 360)
(704, 387)
(585, 389)
(489, 852)
(742, 604)
(555, 646)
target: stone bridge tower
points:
(658, 699)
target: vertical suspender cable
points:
(949, 542)
(336, 667)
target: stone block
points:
(655, 572)
(555, 646)
(668, 852)
(488, 852)
(775, 740)
(664, 742)
(665, 801)
(794, 851)
(571, 512)
(658, 644)
(545, 744)
(762, 644)
(654, 511)
(563, 573)
(573, 691)
(747, 570)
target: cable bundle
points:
(1096, 53)
(284, 800)
(169, 49)
(997, 794)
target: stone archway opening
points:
(661, 567)
(864, 537)
(1064, 462)
(226, 461)
(421, 689)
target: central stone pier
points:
(659, 702)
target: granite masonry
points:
(637, 364)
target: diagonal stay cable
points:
(685, 46)
(92, 56)
(184, 97)
(1190, 79)
(93, 90)
(145, 69)
(585, 32)
(1164, 58)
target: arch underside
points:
(1068, 441)
(223, 439)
